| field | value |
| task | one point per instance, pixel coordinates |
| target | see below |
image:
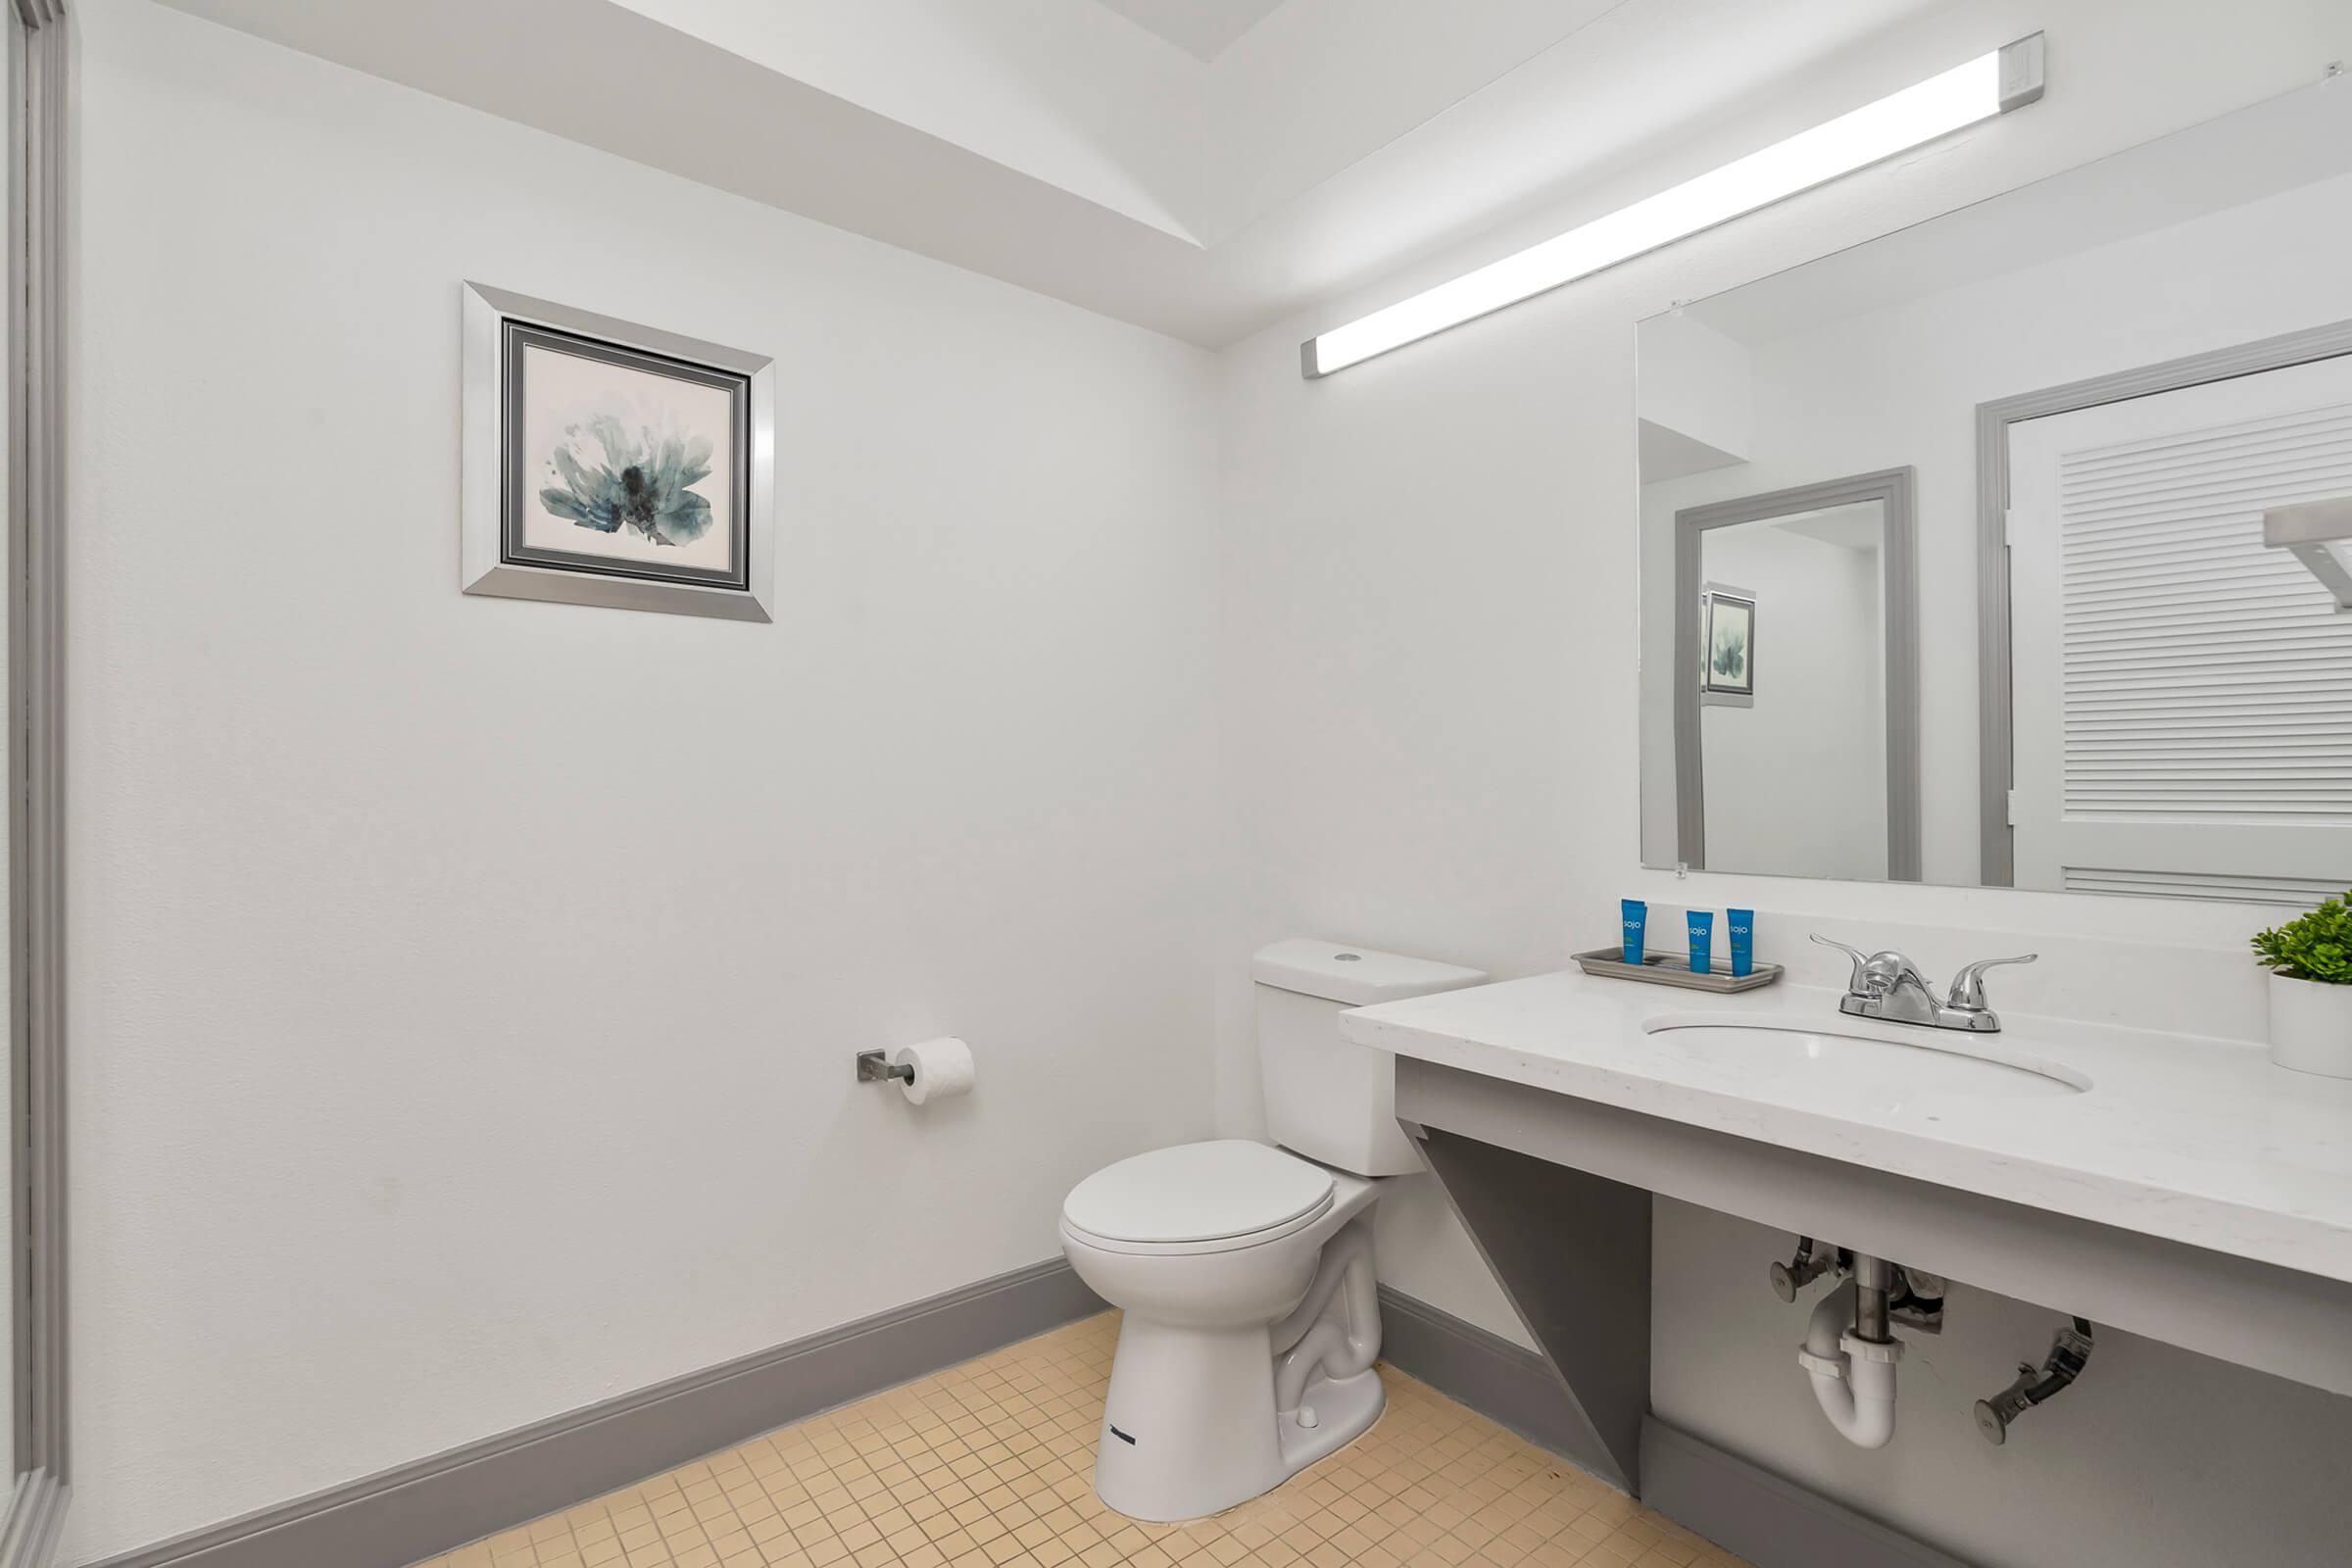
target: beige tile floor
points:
(989, 1465)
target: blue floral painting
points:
(1729, 653)
(627, 465)
(612, 479)
(611, 464)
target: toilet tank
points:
(1331, 1100)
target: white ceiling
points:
(1201, 28)
(1204, 172)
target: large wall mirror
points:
(1998, 551)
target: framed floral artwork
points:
(1731, 641)
(611, 464)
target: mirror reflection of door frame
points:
(1893, 490)
(35, 270)
(1995, 720)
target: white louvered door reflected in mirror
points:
(2183, 695)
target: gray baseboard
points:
(420, 1509)
(1770, 1521)
(1508, 1384)
(1767, 1519)
(404, 1515)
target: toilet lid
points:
(1198, 1193)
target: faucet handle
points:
(1859, 959)
(1968, 986)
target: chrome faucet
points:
(1886, 985)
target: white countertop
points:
(2194, 1140)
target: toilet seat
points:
(1215, 1197)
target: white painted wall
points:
(1431, 714)
(1898, 386)
(464, 989)
(1697, 403)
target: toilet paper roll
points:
(943, 1069)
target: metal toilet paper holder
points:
(876, 1067)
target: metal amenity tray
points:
(1673, 969)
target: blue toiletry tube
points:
(1740, 929)
(1637, 918)
(1703, 940)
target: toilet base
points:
(1190, 1428)
(1345, 1409)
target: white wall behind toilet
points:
(1431, 736)
(464, 989)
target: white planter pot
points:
(2311, 1026)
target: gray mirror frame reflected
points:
(1893, 490)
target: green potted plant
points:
(2310, 990)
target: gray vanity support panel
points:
(1501, 1378)
(1571, 1250)
(2256, 1314)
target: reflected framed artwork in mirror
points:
(1728, 645)
(1999, 481)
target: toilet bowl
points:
(1244, 1271)
(1251, 1328)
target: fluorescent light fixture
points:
(2318, 534)
(2008, 77)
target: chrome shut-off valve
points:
(2070, 1354)
(1914, 1297)
(1808, 1265)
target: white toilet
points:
(1245, 1271)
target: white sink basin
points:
(1843, 1061)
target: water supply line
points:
(2070, 1354)
(1850, 1353)
(1341, 1346)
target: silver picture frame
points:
(1719, 690)
(490, 563)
